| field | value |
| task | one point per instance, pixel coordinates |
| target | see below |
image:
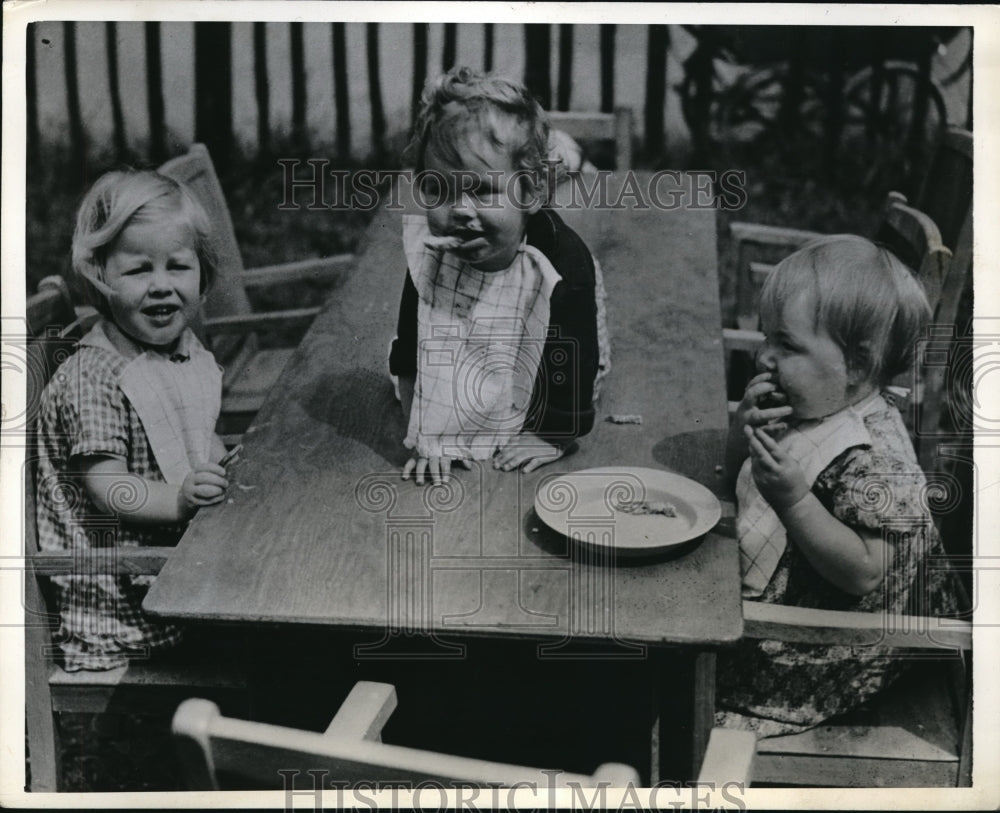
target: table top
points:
(318, 528)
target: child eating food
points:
(832, 507)
(500, 338)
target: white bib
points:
(814, 444)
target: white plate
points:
(581, 506)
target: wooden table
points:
(319, 529)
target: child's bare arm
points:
(115, 490)
(853, 562)
(848, 560)
(407, 384)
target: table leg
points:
(682, 693)
(703, 704)
(655, 714)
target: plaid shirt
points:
(83, 413)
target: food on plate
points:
(645, 507)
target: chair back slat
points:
(614, 127)
(51, 306)
(227, 297)
(54, 328)
(915, 239)
(913, 236)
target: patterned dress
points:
(774, 687)
(84, 413)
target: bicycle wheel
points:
(746, 109)
(736, 109)
(884, 126)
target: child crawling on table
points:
(501, 342)
(832, 501)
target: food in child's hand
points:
(443, 243)
(644, 507)
(770, 400)
(231, 455)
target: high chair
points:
(143, 686)
(231, 327)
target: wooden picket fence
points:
(212, 83)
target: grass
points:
(133, 752)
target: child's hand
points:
(206, 485)
(526, 449)
(779, 478)
(763, 404)
(439, 468)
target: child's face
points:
(482, 203)
(804, 362)
(155, 276)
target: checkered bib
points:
(814, 444)
(177, 397)
(479, 343)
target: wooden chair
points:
(945, 197)
(218, 752)
(915, 239)
(232, 328)
(157, 685)
(615, 127)
(917, 734)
